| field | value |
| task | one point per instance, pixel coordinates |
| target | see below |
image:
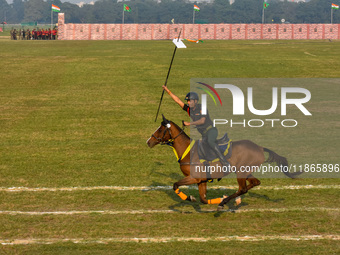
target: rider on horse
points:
(203, 123)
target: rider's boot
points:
(220, 155)
(222, 158)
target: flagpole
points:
(167, 76)
(51, 18)
(123, 15)
(193, 17)
(332, 16)
(263, 13)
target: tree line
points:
(180, 11)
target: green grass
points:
(157, 200)
(233, 247)
(78, 113)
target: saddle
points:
(207, 155)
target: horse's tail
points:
(280, 161)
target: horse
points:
(244, 153)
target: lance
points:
(178, 44)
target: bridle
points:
(171, 140)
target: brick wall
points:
(196, 31)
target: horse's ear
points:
(165, 122)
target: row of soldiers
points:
(35, 34)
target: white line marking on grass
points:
(147, 188)
(85, 212)
(168, 239)
(273, 210)
(310, 54)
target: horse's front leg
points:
(186, 181)
(202, 189)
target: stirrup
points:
(212, 180)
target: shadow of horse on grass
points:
(188, 207)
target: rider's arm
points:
(174, 97)
(201, 121)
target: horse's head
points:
(164, 134)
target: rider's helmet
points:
(192, 96)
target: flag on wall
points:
(334, 6)
(265, 5)
(196, 8)
(127, 8)
(55, 8)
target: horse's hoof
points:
(192, 199)
(220, 208)
(238, 200)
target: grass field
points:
(78, 114)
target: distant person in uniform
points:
(15, 34)
(28, 34)
(54, 33)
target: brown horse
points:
(245, 154)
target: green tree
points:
(247, 11)
(151, 11)
(104, 11)
(223, 11)
(35, 10)
(4, 8)
(86, 14)
(71, 12)
(19, 11)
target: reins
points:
(171, 140)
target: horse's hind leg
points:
(252, 182)
(202, 189)
(242, 183)
(186, 181)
